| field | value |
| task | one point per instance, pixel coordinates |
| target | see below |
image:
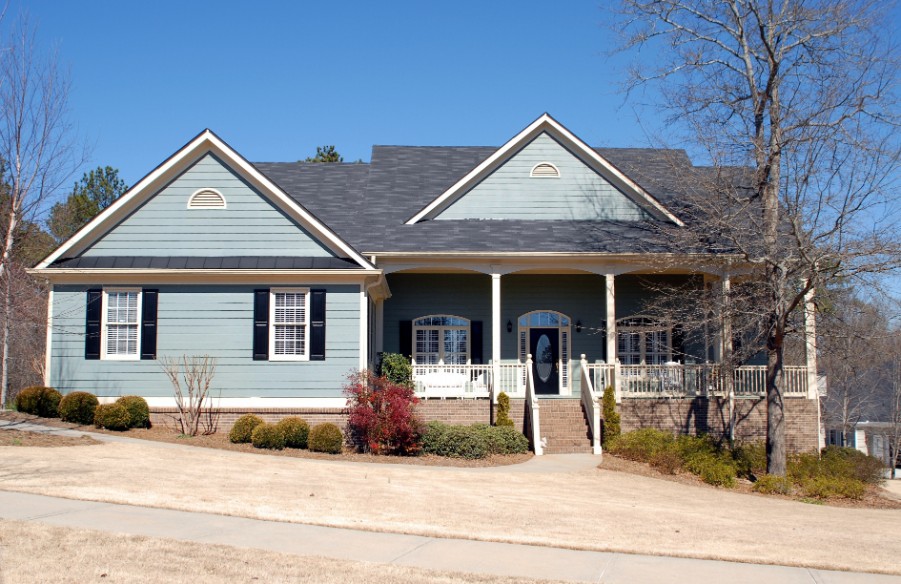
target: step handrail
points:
(592, 409)
(532, 409)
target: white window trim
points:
(272, 323)
(204, 190)
(551, 164)
(564, 338)
(441, 329)
(104, 355)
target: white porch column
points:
(810, 344)
(495, 333)
(610, 312)
(726, 350)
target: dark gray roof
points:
(208, 263)
(368, 204)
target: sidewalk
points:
(408, 550)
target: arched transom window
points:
(441, 338)
(643, 340)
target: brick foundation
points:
(227, 416)
(711, 416)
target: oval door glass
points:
(544, 358)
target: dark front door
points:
(544, 344)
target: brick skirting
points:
(684, 416)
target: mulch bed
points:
(873, 499)
(219, 441)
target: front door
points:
(544, 344)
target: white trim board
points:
(205, 143)
(247, 402)
(545, 123)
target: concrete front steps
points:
(563, 426)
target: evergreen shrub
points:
(242, 430)
(138, 411)
(326, 438)
(78, 407)
(268, 436)
(39, 401)
(296, 431)
(112, 417)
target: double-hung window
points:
(289, 320)
(121, 327)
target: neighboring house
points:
(873, 438)
(468, 259)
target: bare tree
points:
(194, 401)
(35, 148)
(791, 101)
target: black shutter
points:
(149, 301)
(261, 324)
(317, 325)
(678, 343)
(475, 342)
(93, 312)
(405, 340)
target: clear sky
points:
(276, 79)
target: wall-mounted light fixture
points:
(578, 326)
(509, 326)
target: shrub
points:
(505, 440)
(112, 417)
(463, 442)
(295, 430)
(773, 485)
(396, 368)
(326, 438)
(381, 416)
(433, 436)
(242, 430)
(836, 462)
(503, 411)
(39, 401)
(750, 459)
(823, 487)
(78, 407)
(667, 461)
(641, 445)
(718, 470)
(611, 417)
(138, 412)
(268, 436)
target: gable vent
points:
(206, 199)
(545, 170)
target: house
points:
(495, 269)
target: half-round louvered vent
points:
(545, 170)
(206, 199)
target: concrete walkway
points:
(477, 557)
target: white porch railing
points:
(677, 380)
(442, 380)
(591, 406)
(533, 420)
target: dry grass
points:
(32, 552)
(594, 509)
(20, 438)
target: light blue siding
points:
(214, 320)
(249, 226)
(511, 193)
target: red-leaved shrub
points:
(381, 416)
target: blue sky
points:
(277, 79)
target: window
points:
(288, 324)
(441, 339)
(643, 341)
(121, 324)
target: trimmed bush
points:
(295, 430)
(503, 411)
(433, 435)
(396, 368)
(326, 438)
(78, 407)
(463, 442)
(505, 440)
(611, 428)
(39, 401)
(268, 436)
(834, 487)
(112, 417)
(471, 442)
(773, 485)
(242, 430)
(138, 411)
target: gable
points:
(248, 224)
(578, 192)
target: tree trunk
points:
(775, 404)
(7, 326)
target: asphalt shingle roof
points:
(368, 204)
